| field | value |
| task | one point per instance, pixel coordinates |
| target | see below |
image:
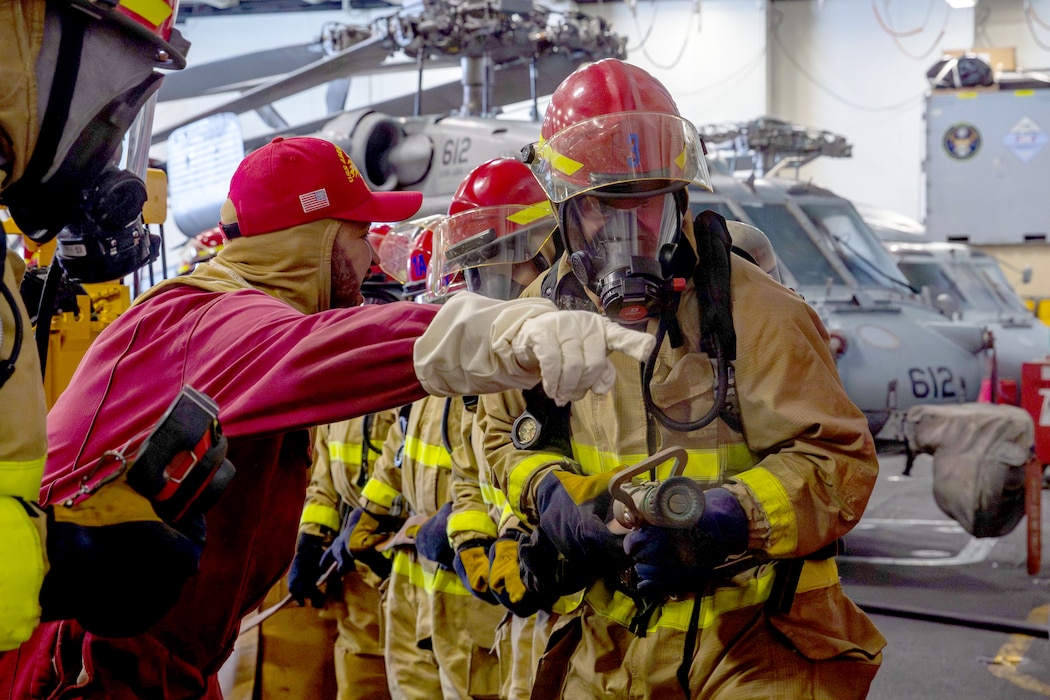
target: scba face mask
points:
(95, 82)
(622, 247)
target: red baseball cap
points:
(294, 181)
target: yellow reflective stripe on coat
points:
(320, 514)
(376, 491)
(21, 551)
(774, 499)
(346, 452)
(676, 614)
(471, 521)
(493, 496)
(520, 474)
(702, 464)
(430, 455)
(439, 581)
(22, 478)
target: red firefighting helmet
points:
(612, 125)
(498, 217)
(202, 247)
(151, 20)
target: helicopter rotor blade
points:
(358, 59)
(234, 73)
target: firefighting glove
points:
(671, 561)
(506, 580)
(306, 569)
(471, 563)
(480, 346)
(432, 538)
(572, 511)
(361, 533)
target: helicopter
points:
(967, 283)
(893, 351)
(509, 51)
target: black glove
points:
(306, 569)
(432, 538)
(671, 561)
(118, 580)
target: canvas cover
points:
(979, 451)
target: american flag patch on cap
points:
(312, 201)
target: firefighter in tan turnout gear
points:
(727, 586)
(498, 238)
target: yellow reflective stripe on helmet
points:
(427, 454)
(346, 452)
(378, 492)
(520, 473)
(531, 213)
(471, 521)
(439, 581)
(676, 614)
(154, 11)
(493, 496)
(557, 160)
(22, 478)
(320, 514)
(21, 551)
(680, 160)
(771, 495)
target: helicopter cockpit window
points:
(929, 275)
(1001, 294)
(792, 245)
(859, 246)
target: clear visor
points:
(491, 249)
(613, 230)
(133, 155)
(401, 254)
(620, 148)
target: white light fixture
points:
(960, 4)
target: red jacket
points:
(273, 372)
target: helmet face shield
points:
(405, 251)
(620, 148)
(495, 248)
